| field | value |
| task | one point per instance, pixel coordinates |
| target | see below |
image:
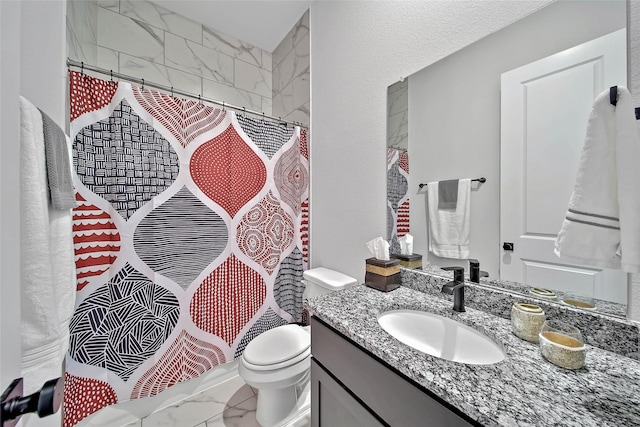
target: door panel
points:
(577, 280)
(334, 406)
(545, 107)
(550, 164)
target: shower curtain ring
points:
(199, 99)
(244, 111)
(111, 74)
(223, 107)
(172, 91)
(82, 67)
(142, 84)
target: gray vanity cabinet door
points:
(333, 406)
(382, 391)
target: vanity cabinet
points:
(334, 405)
(351, 387)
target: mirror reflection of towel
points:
(449, 228)
(448, 194)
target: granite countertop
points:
(602, 306)
(522, 390)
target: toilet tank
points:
(320, 281)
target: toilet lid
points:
(329, 279)
(277, 345)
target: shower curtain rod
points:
(143, 82)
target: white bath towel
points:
(47, 263)
(449, 228)
(602, 225)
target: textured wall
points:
(357, 50)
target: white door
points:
(545, 107)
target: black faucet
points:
(456, 287)
(474, 271)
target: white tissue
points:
(379, 248)
(406, 244)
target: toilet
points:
(278, 362)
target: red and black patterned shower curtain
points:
(190, 239)
(397, 197)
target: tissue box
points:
(382, 275)
(409, 261)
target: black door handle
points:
(507, 246)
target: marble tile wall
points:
(398, 115)
(142, 39)
(82, 25)
(291, 72)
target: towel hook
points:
(613, 95)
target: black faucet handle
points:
(458, 273)
(474, 270)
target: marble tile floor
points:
(229, 404)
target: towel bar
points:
(480, 180)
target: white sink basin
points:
(441, 337)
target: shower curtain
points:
(190, 235)
(397, 197)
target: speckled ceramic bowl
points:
(562, 344)
(579, 301)
(527, 321)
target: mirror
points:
(397, 162)
(454, 130)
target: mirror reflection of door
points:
(545, 106)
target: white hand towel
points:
(602, 225)
(449, 228)
(47, 263)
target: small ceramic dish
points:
(562, 344)
(543, 293)
(527, 320)
(579, 301)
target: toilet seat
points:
(277, 348)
